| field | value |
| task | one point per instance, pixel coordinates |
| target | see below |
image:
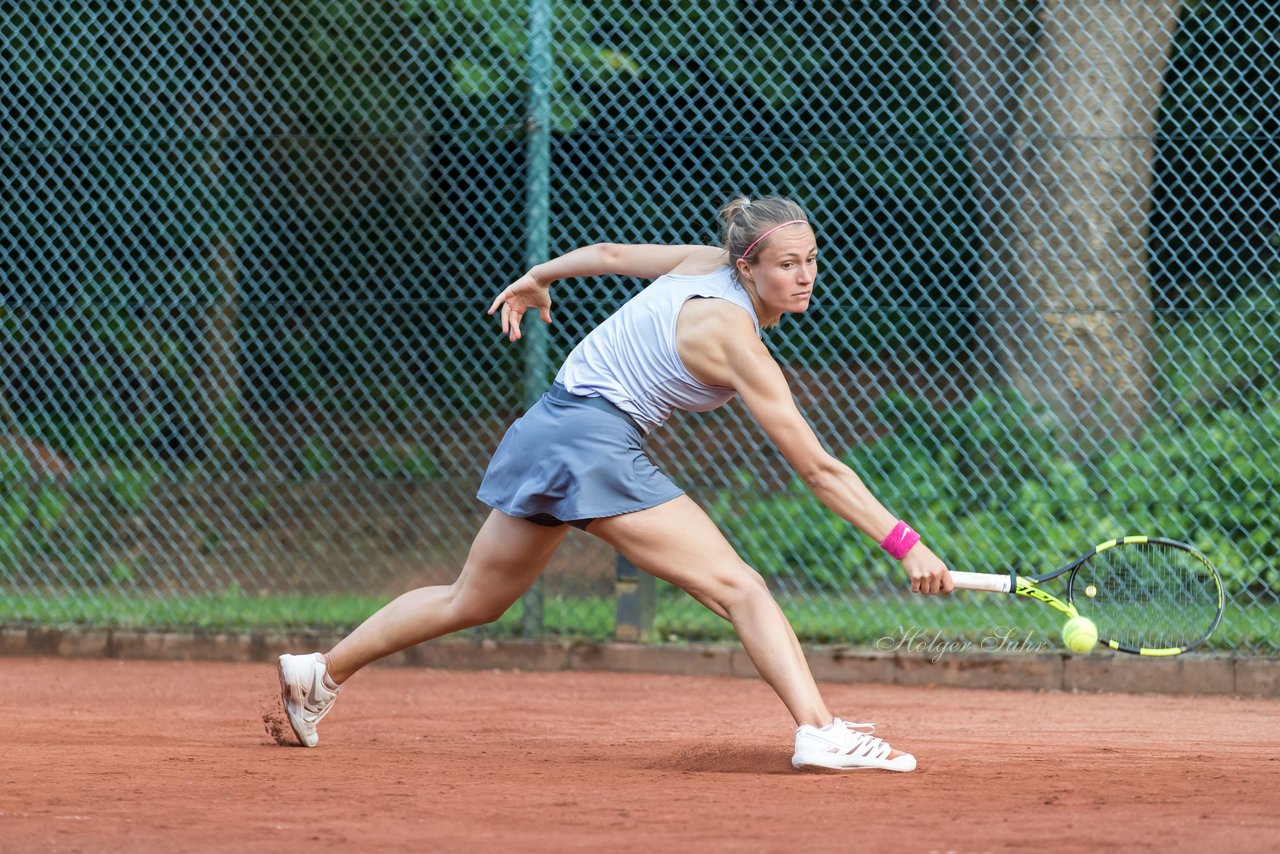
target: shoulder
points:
(701, 261)
(718, 342)
(721, 319)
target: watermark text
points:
(935, 644)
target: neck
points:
(766, 317)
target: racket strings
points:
(1149, 596)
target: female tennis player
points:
(690, 341)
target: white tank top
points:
(631, 361)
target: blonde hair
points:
(744, 220)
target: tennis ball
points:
(1080, 634)
(1091, 591)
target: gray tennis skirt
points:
(573, 459)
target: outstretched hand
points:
(518, 297)
(928, 574)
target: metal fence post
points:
(538, 204)
(636, 595)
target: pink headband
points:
(771, 231)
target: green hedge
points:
(990, 491)
(995, 483)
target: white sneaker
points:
(308, 694)
(842, 746)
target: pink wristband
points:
(900, 540)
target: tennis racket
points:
(1146, 595)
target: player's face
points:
(785, 270)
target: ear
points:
(744, 270)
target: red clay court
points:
(161, 756)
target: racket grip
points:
(981, 581)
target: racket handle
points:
(981, 581)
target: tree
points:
(1060, 99)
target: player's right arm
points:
(719, 346)
(641, 261)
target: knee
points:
(469, 609)
(740, 587)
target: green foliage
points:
(997, 483)
(14, 466)
(988, 483)
(367, 70)
(1224, 356)
(316, 459)
(412, 462)
(783, 533)
(31, 510)
(1212, 482)
(1210, 462)
(69, 520)
(130, 486)
(972, 476)
(234, 446)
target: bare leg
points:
(677, 542)
(505, 558)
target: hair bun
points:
(734, 207)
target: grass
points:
(228, 611)
(906, 623)
(235, 610)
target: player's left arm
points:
(745, 364)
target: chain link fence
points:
(247, 377)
